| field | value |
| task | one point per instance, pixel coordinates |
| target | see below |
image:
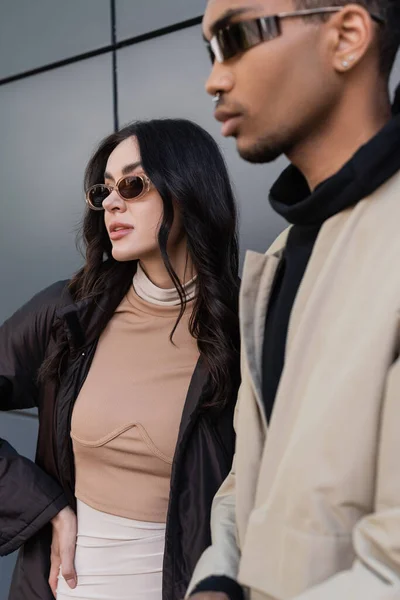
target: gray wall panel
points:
(395, 79)
(6, 568)
(135, 17)
(51, 124)
(36, 33)
(20, 431)
(172, 71)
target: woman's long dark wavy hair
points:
(185, 165)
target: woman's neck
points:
(181, 263)
(146, 290)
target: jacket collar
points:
(69, 317)
(80, 320)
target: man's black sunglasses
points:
(239, 37)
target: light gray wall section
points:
(395, 79)
(34, 33)
(172, 71)
(49, 125)
(21, 432)
(135, 17)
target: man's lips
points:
(229, 119)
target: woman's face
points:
(132, 225)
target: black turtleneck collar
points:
(372, 165)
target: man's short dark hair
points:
(389, 35)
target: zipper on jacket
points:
(79, 373)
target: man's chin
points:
(258, 152)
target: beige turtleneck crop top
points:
(126, 419)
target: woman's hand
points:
(63, 549)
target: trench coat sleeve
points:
(29, 498)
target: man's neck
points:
(333, 144)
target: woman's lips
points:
(118, 234)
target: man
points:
(311, 509)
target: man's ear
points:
(354, 34)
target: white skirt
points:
(116, 558)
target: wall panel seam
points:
(114, 47)
(114, 74)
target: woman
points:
(133, 365)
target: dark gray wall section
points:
(135, 17)
(34, 33)
(49, 125)
(172, 70)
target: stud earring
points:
(346, 62)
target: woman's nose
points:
(114, 202)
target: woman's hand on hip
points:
(63, 549)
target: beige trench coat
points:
(311, 508)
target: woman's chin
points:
(123, 253)
(121, 256)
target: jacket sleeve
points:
(24, 338)
(376, 572)
(222, 557)
(29, 498)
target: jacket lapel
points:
(192, 402)
(258, 278)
